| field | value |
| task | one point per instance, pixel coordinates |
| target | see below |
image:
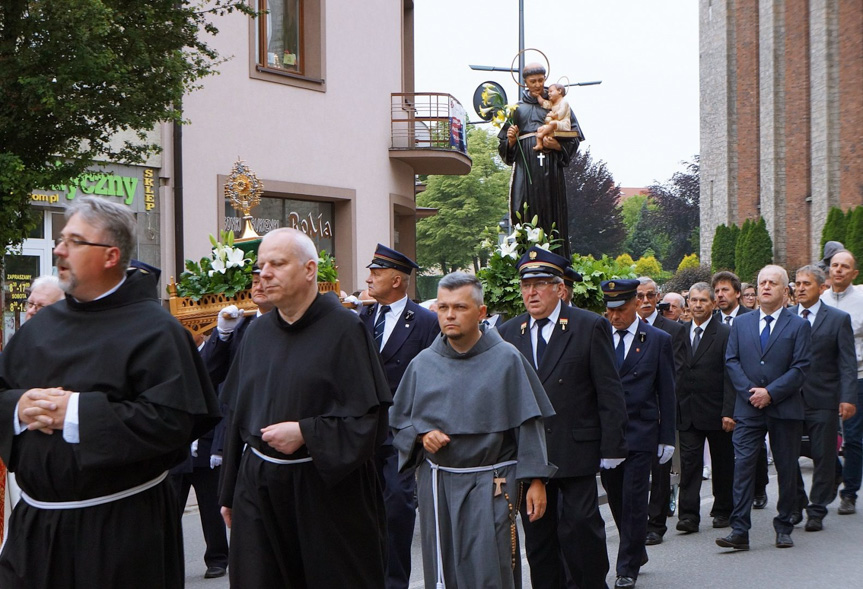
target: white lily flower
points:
(218, 266)
(235, 257)
(509, 250)
(545, 246)
(534, 234)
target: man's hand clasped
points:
(44, 409)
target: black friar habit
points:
(545, 190)
(491, 404)
(144, 397)
(318, 523)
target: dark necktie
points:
(696, 339)
(540, 341)
(379, 326)
(646, 321)
(728, 320)
(765, 333)
(620, 350)
(805, 313)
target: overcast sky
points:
(642, 121)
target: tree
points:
(739, 247)
(755, 248)
(466, 206)
(722, 250)
(686, 277)
(835, 228)
(587, 294)
(690, 261)
(74, 74)
(854, 236)
(625, 260)
(677, 212)
(649, 266)
(595, 221)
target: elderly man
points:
(307, 401)
(402, 329)
(469, 413)
(645, 363)
(124, 392)
(830, 388)
(766, 360)
(574, 358)
(673, 305)
(44, 291)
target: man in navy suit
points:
(402, 329)
(572, 351)
(767, 360)
(646, 366)
(830, 388)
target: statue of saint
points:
(537, 177)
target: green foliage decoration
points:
(228, 271)
(327, 269)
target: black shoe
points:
(760, 502)
(652, 539)
(796, 518)
(735, 541)
(846, 506)
(720, 521)
(644, 559)
(814, 524)
(624, 582)
(687, 525)
(784, 540)
(215, 572)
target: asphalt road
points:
(831, 558)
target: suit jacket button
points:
(548, 430)
(398, 361)
(762, 362)
(560, 381)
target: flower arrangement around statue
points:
(495, 104)
(227, 271)
(500, 279)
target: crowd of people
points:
(318, 433)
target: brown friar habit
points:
(144, 397)
(318, 523)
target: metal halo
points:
(560, 81)
(512, 69)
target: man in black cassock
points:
(120, 385)
(537, 176)
(307, 403)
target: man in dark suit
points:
(727, 289)
(402, 329)
(767, 360)
(660, 474)
(705, 407)
(573, 353)
(830, 388)
(646, 366)
(202, 469)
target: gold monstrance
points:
(243, 190)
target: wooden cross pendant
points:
(540, 157)
(498, 481)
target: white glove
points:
(352, 300)
(215, 460)
(229, 318)
(664, 452)
(609, 463)
(195, 448)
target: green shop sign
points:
(135, 187)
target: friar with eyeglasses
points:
(100, 395)
(573, 354)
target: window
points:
(280, 36)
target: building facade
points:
(781, 118)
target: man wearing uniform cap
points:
(402, 329)
(572, 352)
(646, 366)
(570, 277)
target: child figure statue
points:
(557, 118)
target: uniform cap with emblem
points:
(570, 276)
(617, 292)
(539, 263)
(389, 258)
(256, 269)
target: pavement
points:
(830, 558)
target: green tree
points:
(74, 74)
(756, 250)
(595, 221)
(854, 236)
(625, 260)
(649, 266)
(587, 294)
(835, 228)
(677, 214)
(466, 205)
(690, 261)
(739, 246)
(723, 249)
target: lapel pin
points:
(563, 323)
(523, 327)
(641, 337)
(637, 350)
(409, 315)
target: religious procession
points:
(543, 419)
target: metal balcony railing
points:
(428, 120)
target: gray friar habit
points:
(491, 404)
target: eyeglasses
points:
(749, 295)
(538, 285)
(71, 241)
(32, 305)
(641, 295)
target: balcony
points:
(428, 133)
